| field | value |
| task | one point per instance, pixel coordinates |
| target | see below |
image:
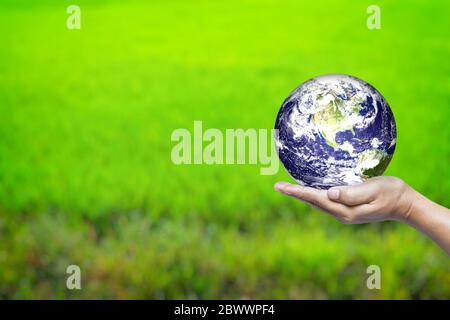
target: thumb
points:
(353, 195)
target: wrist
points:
(406, 203)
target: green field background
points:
(86, 177)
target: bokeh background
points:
(85, 172)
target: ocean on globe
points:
(335, 130)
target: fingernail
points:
(333, 194)
(280, 186)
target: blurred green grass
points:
(85, 170)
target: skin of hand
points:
(378, 199)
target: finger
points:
(354, 195)
(280, 186)
(319, 199)
(303, 193)
(315, 197)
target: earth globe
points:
(335, 130)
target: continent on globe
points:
(335, 130)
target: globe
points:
(335, 130)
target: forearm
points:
(430, 219)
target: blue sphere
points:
(335, 130)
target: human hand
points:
(377, 199)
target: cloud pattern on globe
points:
(335, 130)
